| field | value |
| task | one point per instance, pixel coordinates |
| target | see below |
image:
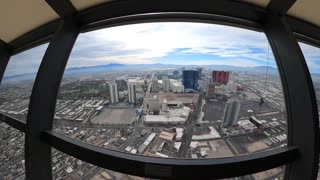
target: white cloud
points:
(152, 42)
(156, 40)
(233, 62)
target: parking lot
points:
(115, 116)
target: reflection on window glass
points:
(173, 90)
(272, 174)
(16, 85)
(312, 56)
(68, 167)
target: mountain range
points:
(130, 67)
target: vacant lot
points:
(115, 116)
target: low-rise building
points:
(212, 135)
(166, 136)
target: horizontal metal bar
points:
(13, 122)
(308, 32)
(34, 38)
(126, 8)
(307, 40)
(169, 168)
(172, 17)
(110, 10)
(280, 7)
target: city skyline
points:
(165, 43)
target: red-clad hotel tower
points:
(221, 77)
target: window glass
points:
(173, 90)
(312, 57)
(68, 167)
(15, 91)
(17, 83)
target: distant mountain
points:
(21, 77)
(158, 65)
(129, 67)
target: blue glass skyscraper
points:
(190, 79)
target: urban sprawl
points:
(192, 113)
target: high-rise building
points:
(132, 95)
(176, 86)
(190, 79)
(221, 77)
(231, 113)
(208, 81)
(113, 93)
(210, 90)
(231, 87)
(199, 71)
(154, 85)
(166, 84)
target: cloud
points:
(169, 43)
(233, 62)
(145, 42)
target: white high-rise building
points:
(208, 81)
(176, 86)
(231, 87)
(113, 93)
(154, 85)
(132, 95)
(231, 113)
(166, 84)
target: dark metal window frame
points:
(301, 155)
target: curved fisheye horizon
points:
(163, 43)
(173, 90)
(133, 90)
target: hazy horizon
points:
(172, 43)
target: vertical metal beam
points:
(4, 58)
(280, 7)
(302, 112)
(64, 8)
(43, 100)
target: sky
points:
(166, 43)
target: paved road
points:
(93, 171)
(190, 128)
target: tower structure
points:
(221, 77)
(154, 85)
(231, 113)
(132, 94)
(113, 93)
(166, 84)
(190, 79)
